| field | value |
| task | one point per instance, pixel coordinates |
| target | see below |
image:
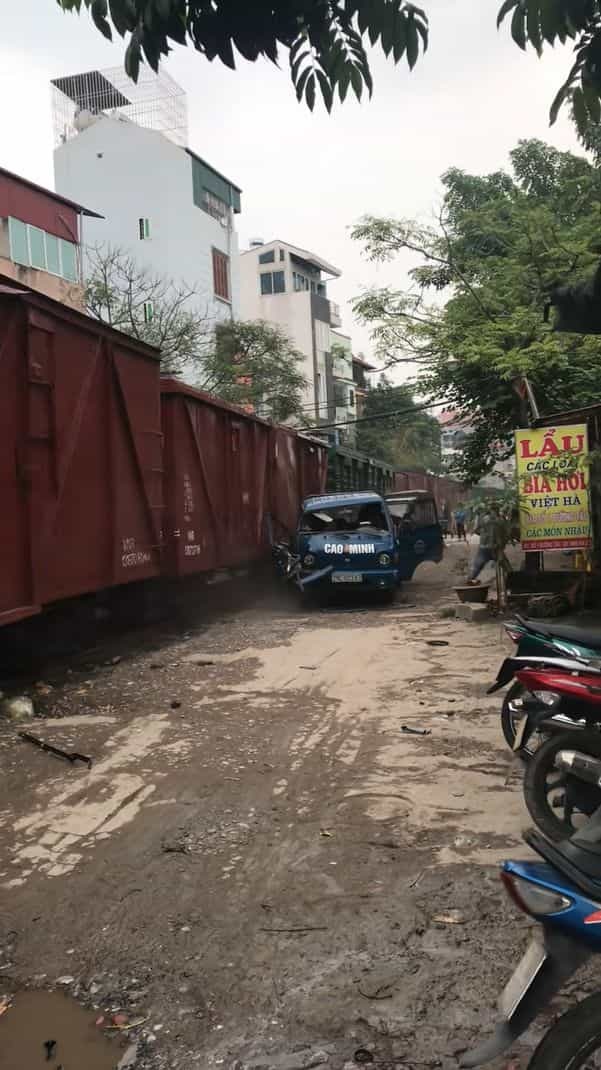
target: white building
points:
(345, 406)
(287, 286)
(162, 204)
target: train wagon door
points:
(16, 586)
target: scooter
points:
(527, 718)
(562, 894)
(539, 638)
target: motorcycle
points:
(562, 893)
(534, 718)
(562, 782)
(539, 638)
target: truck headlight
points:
(308, 560)
(384, 559)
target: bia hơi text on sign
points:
(553, 480)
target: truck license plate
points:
(347, 577)
(527, 969)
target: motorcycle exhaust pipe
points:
(580, 765)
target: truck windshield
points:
(370, 517)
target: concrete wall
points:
(126, 173)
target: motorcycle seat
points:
(584, 635)
(582, 865)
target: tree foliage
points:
(161, 312)
(472, 317)
(325, 38)
(255, 365)
(410, 440)
(251, 364)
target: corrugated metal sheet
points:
(80, 468)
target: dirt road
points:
(259, 859)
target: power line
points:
(377, 416)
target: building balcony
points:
(335, 317)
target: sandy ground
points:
(259, 859)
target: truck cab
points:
(417, 527)
(347, 540)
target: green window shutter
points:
(52, 255)
(68, 260)
(204, 178)
(19, 249)
(37, 247)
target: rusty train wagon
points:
(80, 464)
(110, 475)
(231, 480)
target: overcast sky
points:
(306, 178)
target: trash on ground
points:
(327, 832)
(49, 1045)
(175, 705)
(19, 708)
(5, 1003)
(363, 1055)
(69, 755)
(416, 731)
(452, 917)
(126, 1024)
(437, 642)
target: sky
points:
(306, 178)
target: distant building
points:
(287, 286)
(344, 387)
(40, 238)
(362, 371)
(455, 431)
(123, 147)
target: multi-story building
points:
(40, 238)
(344, 387)
(123, 148)
(362, 372)
(287, 286)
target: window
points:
(351, 399)
(221, 275)
(273, 282)
(213, 205)
(33, 247)
(37, 248)
(282, 254)
(144, 228)
(267, 258)
(321, 289)
(148, 312)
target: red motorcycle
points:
(562, 782)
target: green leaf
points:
(557, 103)
(412, 44)
(593, 104)
(579, 109)
(356, 82)
(327, 91)
(550, 19)
(533, 25)
(518, 29)
(295, 67)
(400, 41)
(300, 85)
(506, 7)
(99, 12)
(132, 57)
(310, 92)
(344, 82)
(388, 25)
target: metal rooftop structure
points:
(155, 101)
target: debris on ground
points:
(129, 1057)
(19, 708)
(452, 917)
(416, 731)
(5, 1003)
(71, 756)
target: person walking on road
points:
(493, 538)
(459, 517)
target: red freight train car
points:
(226, 472)
(80, 464)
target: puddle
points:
(36, 1017)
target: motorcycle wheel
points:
(511, 714)
(574, 1042)
(549, 792)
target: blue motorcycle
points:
(563, 893)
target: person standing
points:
(459, 517)
(492, 530)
